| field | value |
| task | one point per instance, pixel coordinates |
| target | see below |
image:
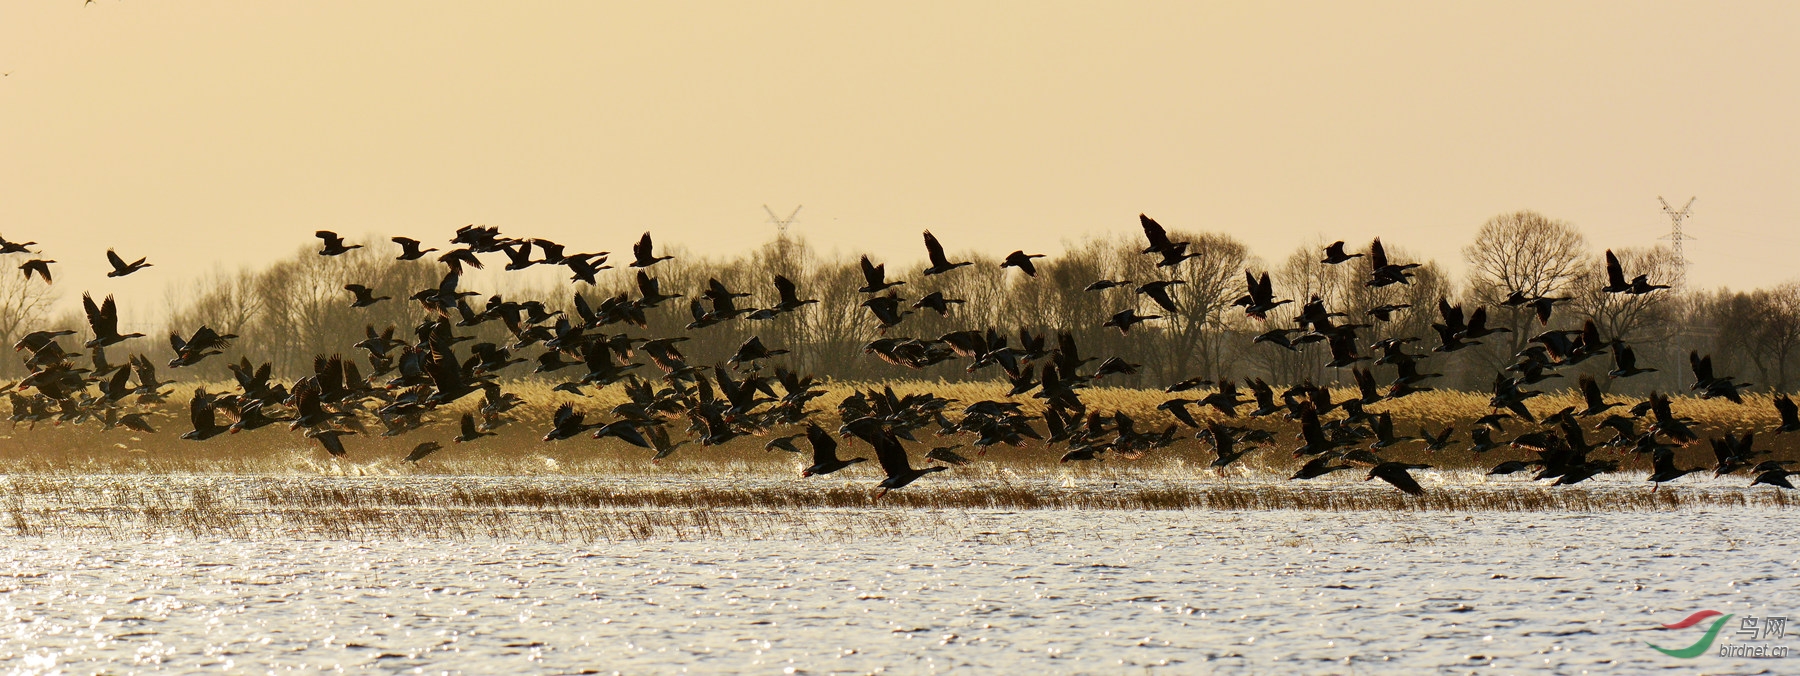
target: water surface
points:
(1067, 591)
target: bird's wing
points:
(1403, 481)
(824, 447)
(1664, 461)
(93, 312)
(933, 248)
(200, 414)
(1161, 296)
(873, 275)
(1786, 407)
(891, 454)
(1153, 231)
(110, 311)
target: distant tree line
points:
(296, 309)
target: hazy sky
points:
(209, 133)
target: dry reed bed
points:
(84, 449)
(591, 510)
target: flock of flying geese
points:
(411, 376)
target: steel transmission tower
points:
(1676, 236)
(781, 224)
(786, 263)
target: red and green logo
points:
(1699, 647)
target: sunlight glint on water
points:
(1064, 591)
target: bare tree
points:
(1190, 336)
(1758, 329)
(24, 305)
(1521, 252)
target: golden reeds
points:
(588, 509)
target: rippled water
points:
(1053, 591)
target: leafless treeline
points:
(290, 312)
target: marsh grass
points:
(77, 479)
(579, 509)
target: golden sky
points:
(224, 133)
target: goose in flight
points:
(364, 295)
(1734, 452)
(37, 265)
(567, 423)
(1615, 279)
(1383, 272)
(519, 257)
(1386, 312)
(420, 451)
(751, 351)
(875, 277)
(553, 252)
(1664, 464)
(1172, 252)
(643, 253)
(583, 267)
(1334, 254)
(467, 431)
(892, 456)
(457, 258)
(1396, 473)
(331, 440)
(790, 295)
(10, 247)
(103, 322)
(1596, 403)
(1625, 362)
(1260, 297)
(935, 251)
(203, 414)
(1159, 291)
(1124, 319)
(1776, 476)
(936, 301)
(205, 343)
(886, 309)
(333, 244)
(1318, 467)
(1544, 306)
(1021, 260)
(825, 458)
(650, 288)
(1225, 444)
(947, 455)
(1788, 412)
(122, 268)
(785, 443)
(409, 249)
